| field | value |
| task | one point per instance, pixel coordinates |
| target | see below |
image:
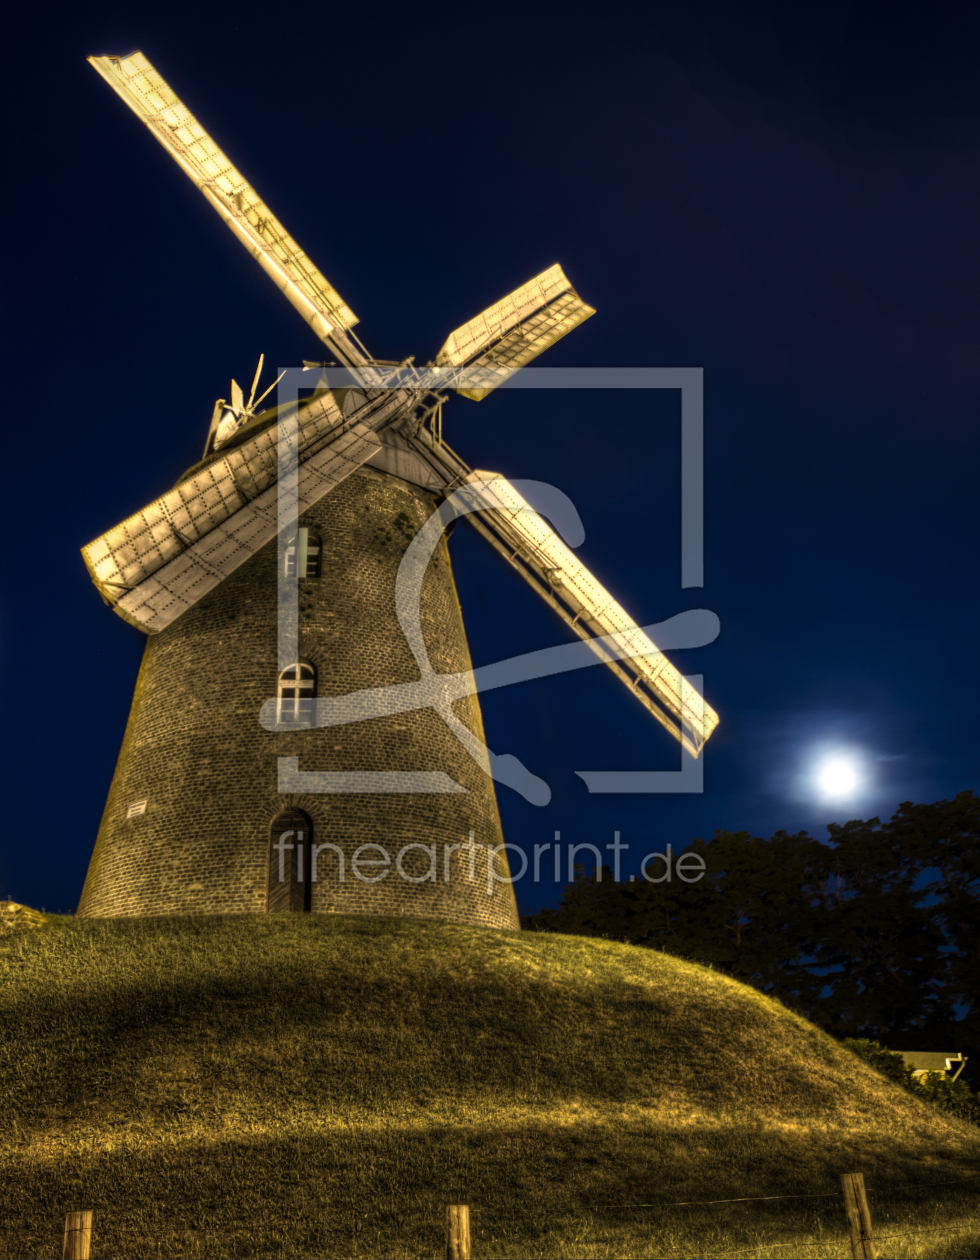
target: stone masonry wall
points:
(194, 749)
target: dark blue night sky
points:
(789, 200)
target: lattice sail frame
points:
(160, 561)
(170, 590)
(591, 611)
(508, 335)
(156, 104)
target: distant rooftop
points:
(933, 1061)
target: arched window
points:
(303, 554)
(291, 835)
(297, 690)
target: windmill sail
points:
(126, 557)
(177, 585)
(513, 331)
(153, 101)
(531, 546)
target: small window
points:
(297, 689)
(303, 553)
(137, 808)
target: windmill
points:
(204, 795)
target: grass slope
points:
(307, 1085)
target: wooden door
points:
(289, 845)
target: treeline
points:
(872, 934)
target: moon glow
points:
(838, 777)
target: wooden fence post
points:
(78, 1236)
(457, 1232)
(858, 1217)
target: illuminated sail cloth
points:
(513, 331)
(137, 547)
(675, 703)
(154, 101)
(180, 583)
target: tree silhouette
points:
(874, 933)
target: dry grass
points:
(17, 918)
(324, 1086)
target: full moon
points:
(837, 777)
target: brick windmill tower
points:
(305, 732)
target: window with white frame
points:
(303, 554)
(297, 689)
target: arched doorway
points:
(291, 835)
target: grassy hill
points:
(306, 1085)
